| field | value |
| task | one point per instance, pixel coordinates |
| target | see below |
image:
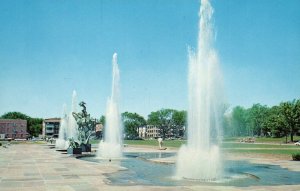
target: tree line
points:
(170, 122)
(166, 120)
(281, 120)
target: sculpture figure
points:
(86, 124)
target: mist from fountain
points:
(68, 127)
(73, 127)
(61, 141)
(200, 158)
(111, 147)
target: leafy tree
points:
(162, 119)
(291, 113)
(14, 115)
(179, 121)
(239, 121)
(102, 120)
(257, 115)
(227, 125)
(131, 122)
(276, 123)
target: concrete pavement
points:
(37, 167)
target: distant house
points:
(51, 127)
(13, 128)
(99, 130)
(148, 132)
(151, 131)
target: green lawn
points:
(166, 143)
(275, 140)
(253, 145)
(231, 147)
(178, 143)
(265, 151)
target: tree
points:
(238, 121)
(291, 113)
(179, 122)
(15, 115)
(102, 120)
(162, 119)
(257, 115)
(131, 122)
(276, 123)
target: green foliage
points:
(167, 143)
(239, 121)
(277, 121)
(102, 120)
(34, 125)
(14, 115)
(257, 115)
(131, 122)
(179, 121)
(169, 121)
(296, 156)
(291, 114)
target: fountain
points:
(72, 130)
(200, 159)
(199, 162)
(111, 147)
(61, 141)
(68, 126)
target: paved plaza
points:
(37, 167)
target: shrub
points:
(296, 156)
(0, 144)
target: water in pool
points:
(139, 170)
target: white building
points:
(149, 131)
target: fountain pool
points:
(137, 169)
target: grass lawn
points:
(281, 140)
(275, 140)
(231, 147)
(260, 146)
(166, 143)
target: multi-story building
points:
(99, 130)
(149, 131)
(51, 127)
(13, 128)
(152, 131)
(142, 131)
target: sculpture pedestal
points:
(86, 147)
(74, 151)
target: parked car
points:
(297, 143)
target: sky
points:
(48, 48)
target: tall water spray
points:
(68, 127)
(61, 141)
(200, 158)
(111, 147)
(73, 127)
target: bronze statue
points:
(86, 124)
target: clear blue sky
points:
(49, 48)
